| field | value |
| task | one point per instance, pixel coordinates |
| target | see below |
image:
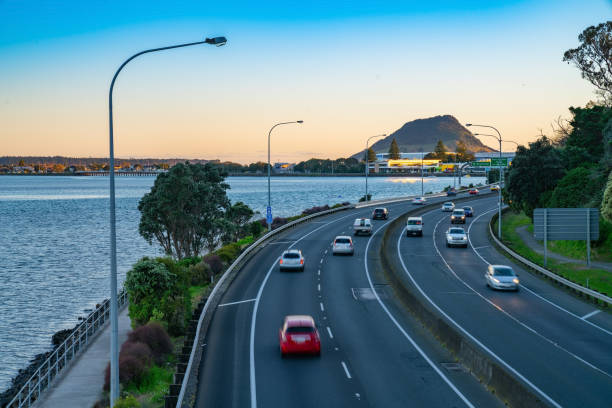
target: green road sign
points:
(481, 164)
(499, 161)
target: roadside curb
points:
(497, 379)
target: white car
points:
(458, 216)
(414, 226)
(419, 201)
(292, 260)
(362, 226)
(501, 277)
(448, 206)
(456, 237)
(343, 244)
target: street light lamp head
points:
(468, 124)
(216, 41)
(300, 121)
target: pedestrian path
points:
(538, 247)
(81, 385)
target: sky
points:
(348, 69)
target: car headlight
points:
(495, 280)
(515, 280)
(464, 238)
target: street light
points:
(114, 352)
(367, 170)
(421, 149)
(501, 175)
(269, 209)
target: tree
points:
(588, 130)
(440, 151)
(371, 155)
(534, 171)
(606, 203)
(21, 163)
(593, 57)
(576, 189)
(239, 216)
(394, 152)
(462, 153)
(58, 168)
(185, 209)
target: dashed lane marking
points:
(346, 371)
(593, 313)
(235, 303)
(331, 336)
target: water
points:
(54, 242)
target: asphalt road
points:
(372, 354)
(558, 343)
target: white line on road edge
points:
(593, 313)
(322, 308)
(525, 287)
(253, 385)
(401, 329)
(331, 336)
(235, 303)
(480, 247)
(346, 371)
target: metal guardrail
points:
(64, 354)
(215, 296)
(559, 279)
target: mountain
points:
(425, 133)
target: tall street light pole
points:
(501, 177)
(367, 170)
(269, 209)
(114, 351)
(421, 172)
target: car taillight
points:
(301, 262)
(281, 261)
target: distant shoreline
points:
(261, 175)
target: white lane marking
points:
(319, 287)
(322, 308)
(593, 313)
(480, 247)
(326, 252)
(543, 337)
(253, 385)
(508, 366)
(319, 272)
(550, 302)
(279, 242)
(321, 261)
(346, 371)
(235, 303)
(331, 336)
(401, 329)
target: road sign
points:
(480, 164)
(566, 223)
(269, 215)
(499, 161)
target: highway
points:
(373, 352)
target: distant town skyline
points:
(349, 71)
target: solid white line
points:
(319, 287)
(346, 371)
(593, 313)
(322, 308)
(401, 329)
(331, 336)
(480, 247)
(529, 290)
(235, 303)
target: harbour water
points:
(54, 242)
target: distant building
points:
(283, 167)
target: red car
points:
(299, 335)
(473, 191)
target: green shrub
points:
(146, 284)
(256, 228)
(175, 308)
(187, 262)
(200, 273)
(228, 253)
(128, 401)
(606, 202)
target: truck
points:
(362, 226)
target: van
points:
(414, 226)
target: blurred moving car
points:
(501, 277)
(362, 226)
(473, 191)
(451, 192)
(299, 335)
(380, 213)
(419, 201)
(292, 260)
(456, 237)
(343, 245)
(448, 206)
(414, 226)
(469, 211)
(495, 187)
(458, 216)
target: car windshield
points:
(456, 231)
(343, 241)
(503, 271)
(448, 204)
(379, 210)
(291, 255)
(470, 209)
(458, 212)
(414, 222)
(299, 329)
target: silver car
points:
(343, 245)
(501, 277)
(292, 260)
(448, 206)
(456, 237)
(458, 216)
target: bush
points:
(176, 268)
(229, 252)
(175, 311)
(129, 401)
(146, 284)
(315, 209)
(215, 263)
(200, 274)
(255, 228)
(363, 198)
(156, 338)
(278, 222)
(131, 369)
(187, 262)
(138, 350)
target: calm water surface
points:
(54, 242)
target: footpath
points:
(538, 247)
(81, 385)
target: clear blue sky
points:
(349, 69)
